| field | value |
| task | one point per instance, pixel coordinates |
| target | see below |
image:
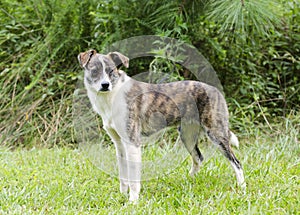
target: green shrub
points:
(257, 63)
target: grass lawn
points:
(64, 181)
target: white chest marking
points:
(103, 106)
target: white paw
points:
(243, 186)
(133, 197)
(124, 187)
(194, 170)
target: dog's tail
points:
(233, 140)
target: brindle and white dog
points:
(131, 109)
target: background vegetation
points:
(253, 46)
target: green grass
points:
(64, 181)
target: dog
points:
(131, 109)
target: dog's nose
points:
(104, 85)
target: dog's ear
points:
(119, 59)
(85, 57)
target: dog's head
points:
(101, 72)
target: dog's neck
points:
(123, 77)
(123, 82)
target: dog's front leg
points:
(121, 159)
(134, 165)
(123, 168)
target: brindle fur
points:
(143, 109)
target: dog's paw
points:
(124, 187)
(243, 186)
(133, 197)
(194, 170)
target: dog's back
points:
(159, 105)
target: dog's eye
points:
(111, 72)
(94, 73)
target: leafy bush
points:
(39, 68)
(256, 56)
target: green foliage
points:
(246, 18)
(259, 69)
(38, 68)
(253, 48)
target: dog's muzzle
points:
(104, 86)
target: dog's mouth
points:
(103, 90)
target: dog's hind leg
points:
(189, 134)
(197, 160)
(222, 140)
